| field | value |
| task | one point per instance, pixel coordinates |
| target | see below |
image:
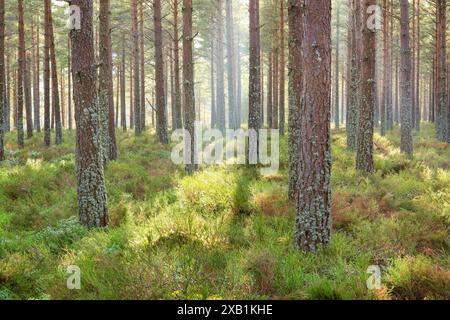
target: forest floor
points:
(226, 232)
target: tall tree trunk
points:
(63, 99)
(188, 87)
(27, 92)
(92, 199)
(413, 67)
(46, 76)
(213, 88)
(295, 94)
(116, 113)
(8, 95)
(105, 90)
(353, 97)
(441, 67)
(238, 81)
(336, 68)
(406, 140)
(20, 74)
(364, 156)
(136, 72)
(269, 93)
(131, 93)
(123, 107)
(161, 119)
(2, 80)
(230, 66)
(176, 61)
(254, 97)
(275, 79)
(313, 221)
(385, 87)
(396, 94)
(54, 72)
(142, 61)
(36, 76)
(220, 68)
(282, 71)
(417, 62)
(69, 87)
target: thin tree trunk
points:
(106, 90)
(54, 73)
(336, 68)
(142, 60)
(36, 76)
(176, 62)
(213, 88)
(220, 68)
(282, 116)
(136, 72)
(123, 107)
(230, 66)
(69, 87)
(364, 156)
(295, 94)
(161, 122)
(2, 80)
(27, 92)
(188, 87)
(269, 93)
(20, 74)
(406, 141)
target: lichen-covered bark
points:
(2, 79)
(56, 107)
(161, 119)
(20, 73)
(353, 72)
(105, 89)
(254, 95)
(92, 200)
(313, 221)
(295, 93)
(364, 155)
(188, 83)
(406, 141)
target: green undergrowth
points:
(225, 232)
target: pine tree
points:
(313, 222)
(92, 199)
